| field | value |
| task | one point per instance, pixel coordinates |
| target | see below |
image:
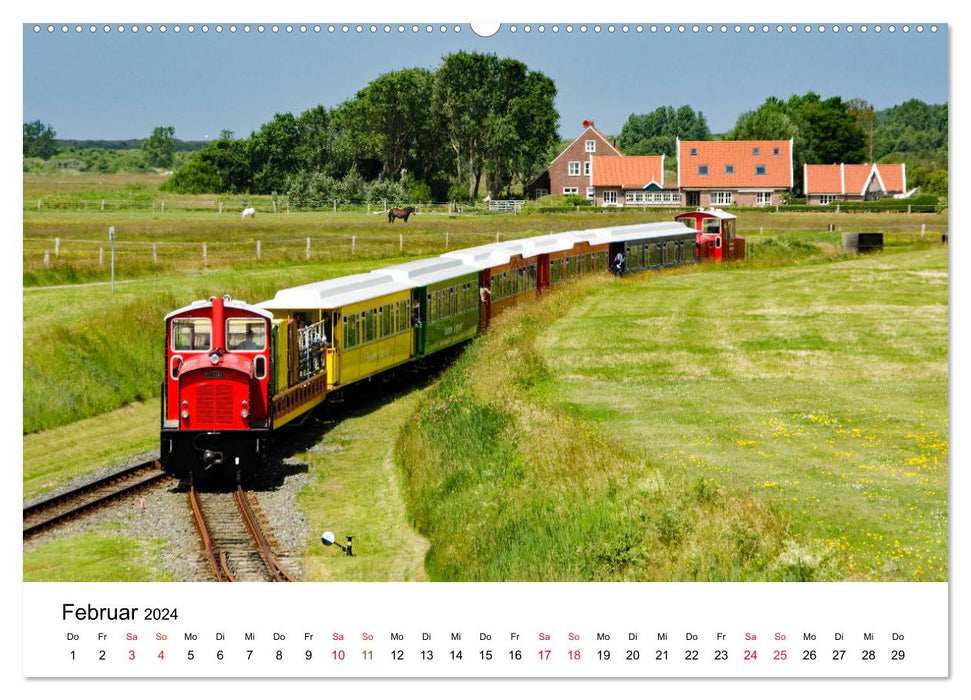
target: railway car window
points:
(245, 334)
(191, 334)
(403, 317)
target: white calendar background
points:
(929, 616)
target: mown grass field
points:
(739, 423)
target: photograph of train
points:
(506, 308)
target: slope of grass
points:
(733, 423)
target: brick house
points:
(734, 173)
(619, 181)
(853, 182)
(570, 172)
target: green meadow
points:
(733, 423)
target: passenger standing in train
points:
(619, 264)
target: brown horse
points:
(398, 213)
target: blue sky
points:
(116, 85)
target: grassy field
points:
(740, 423)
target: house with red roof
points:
(570, 172)
(619, 181)
(734, 173)
(853, 182)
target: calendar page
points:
(487, 356)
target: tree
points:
(39, 140)
(496, 115)
(866, 119)
(160, 147)
(656, 133)
(272, 153)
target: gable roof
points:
(592, 131)
(744, 156)
(853, 178)
(631, 172)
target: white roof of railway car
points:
(336, 292)
(420, 273)
(638, 232)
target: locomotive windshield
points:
(245, 334)
(711, 225)
(189, 334)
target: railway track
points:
(52, 511)
(233, 539)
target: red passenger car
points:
(716, 238)
(215, 399)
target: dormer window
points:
(755, 151)
(775, 151)
(702, 169)
(760, 170)
(729, 169)
(694, 151)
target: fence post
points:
(837, 207)
(101, 256)
(353, 244)
(205, 256)
(102, 205)
(163, 207)
(47, 259)
(111, 238)
(908, 208)
(923, 228)
(259, 253)
(446, 240)
(57, 247)
(369, 206)
(497, 236)
(401, 242)
(155, 253)
(38, 204)
(335, 206)
(220, 207)
(307, 256)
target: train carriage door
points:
(542, 272)
(485, 298)
(419, 313)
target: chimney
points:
(587, 123)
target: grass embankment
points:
(734, 423)
(355, 491)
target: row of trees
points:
(437, 134)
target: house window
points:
(586, 167)
(541, 192)
(775, 151)
(763, 199)
(694, 151)
(721, 198)
(610, 197)
(729, 169)
(590, 193)
(755, 151)
(827, 198)
(573, 168)
(702, 169)
(570, 190)
(590, 146)
(760, 170)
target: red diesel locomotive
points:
(215, 408)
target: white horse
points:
(249, 213)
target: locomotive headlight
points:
(245, 412)
(214, 358)
(185, 410)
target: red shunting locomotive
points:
(215, 408)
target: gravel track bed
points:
(165, 515)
